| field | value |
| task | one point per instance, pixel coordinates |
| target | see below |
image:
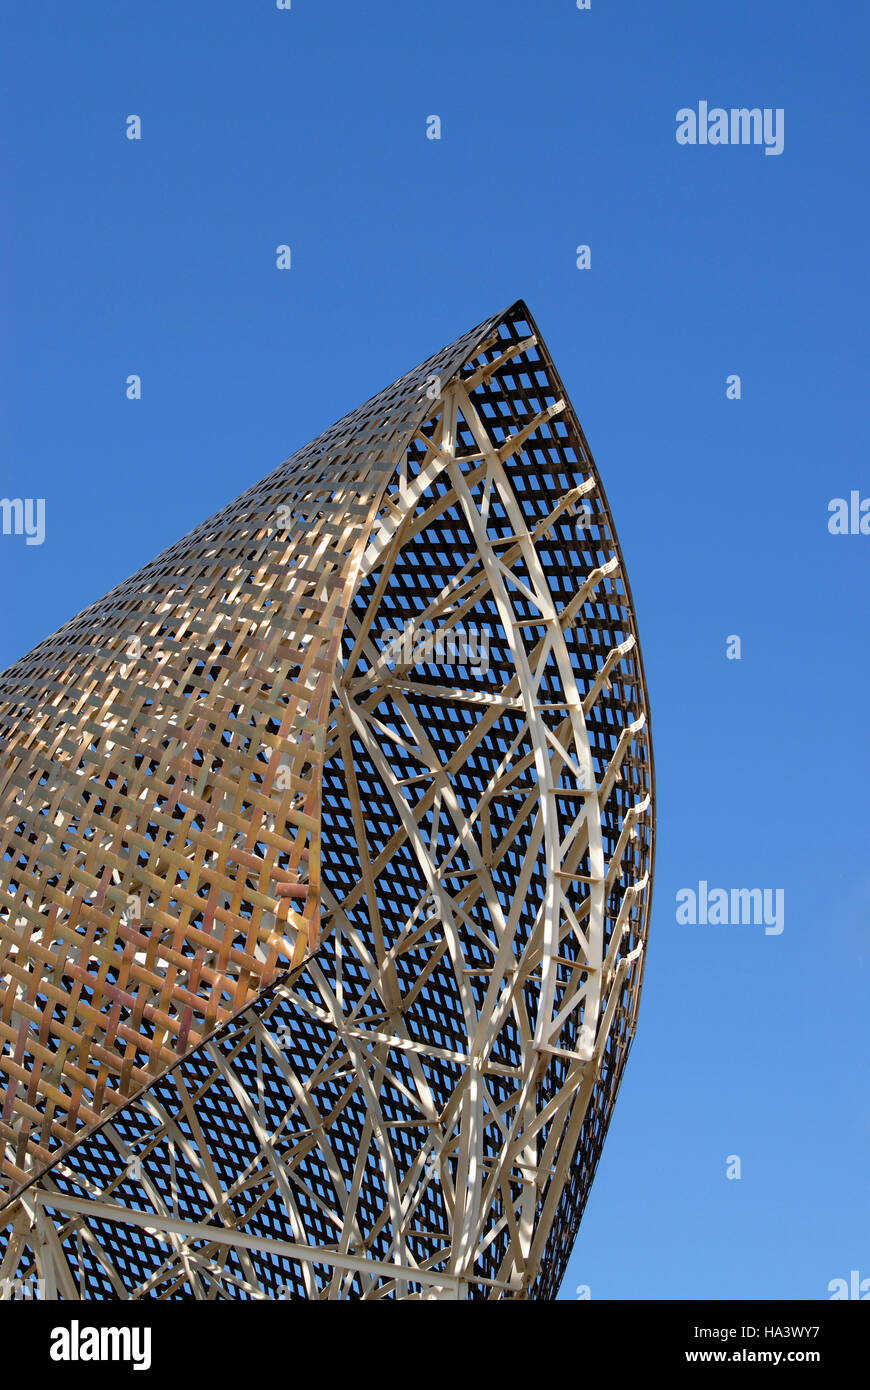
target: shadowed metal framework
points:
(325, 871)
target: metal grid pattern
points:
(416, 1110)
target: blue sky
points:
(308, 127)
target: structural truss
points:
(325, 871)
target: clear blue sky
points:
(307, 127)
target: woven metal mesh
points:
(199, 844)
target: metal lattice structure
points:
(325, 870)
